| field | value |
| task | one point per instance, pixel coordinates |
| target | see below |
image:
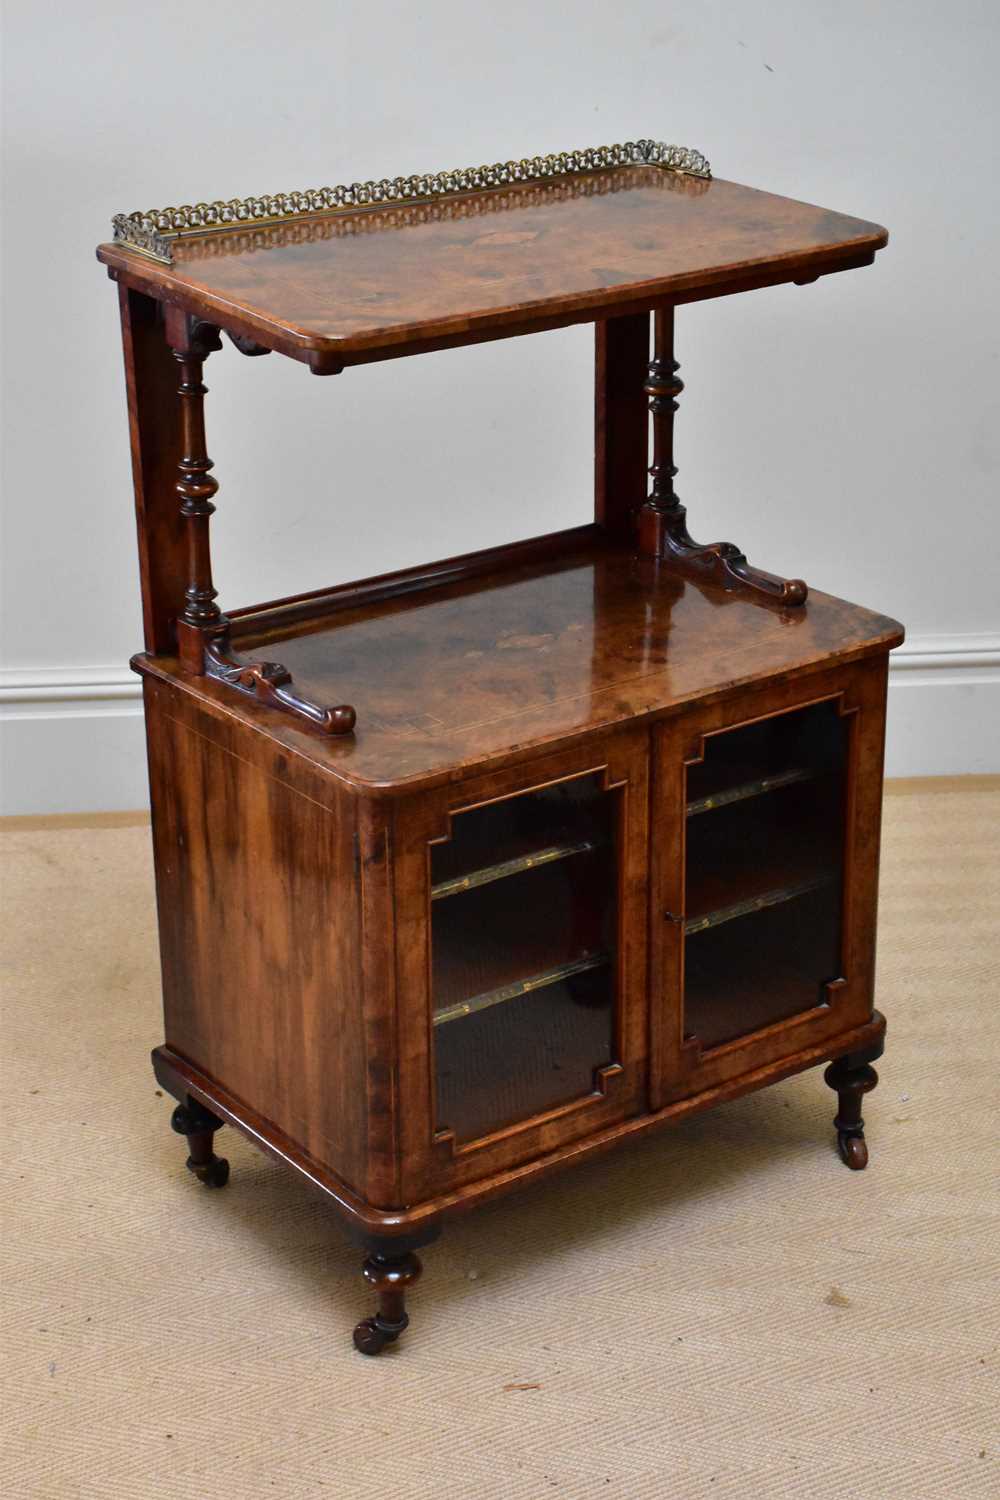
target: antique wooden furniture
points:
(469, 871)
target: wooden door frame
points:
(679, 1067)
(432, 1160)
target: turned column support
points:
(663, 386)
(203, 631)
(663, 532)
(191, 343)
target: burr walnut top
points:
(348, 286)
(500, 665)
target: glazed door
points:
(521, 903)
(763, 912)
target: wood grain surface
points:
(371, 283)
(471, 673)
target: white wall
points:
(847, 431)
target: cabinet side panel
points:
(259, 930)
(621, 421)
(151, 380)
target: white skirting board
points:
(71, 738)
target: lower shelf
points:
(521, 987)
(494, 941)
(532, 1054)
(760, 968)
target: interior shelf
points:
(774, 751)
(521, 987)
(507, 938)
(754, 787)
(737, 980)
(515, 865)
(773, 897)
(757, 854)
(509, 837)
(516, 1060)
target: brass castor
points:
(213, 1173)
(853, 1150)
(390, 1276)
(199, 1126)
(852, 1081)
(371, 1336)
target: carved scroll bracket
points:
(203, 631)
(663, 529)
(270, 682)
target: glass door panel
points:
(764, 873)
(523, 963)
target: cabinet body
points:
(473, 869)
(423, 999)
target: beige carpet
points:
(722, 1310)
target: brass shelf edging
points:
(520, 987)
(154, 231)
(755, 903)
(488, 873)
(749, 789)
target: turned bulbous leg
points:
(851, 1081)
(390, 1277)
(199, 1125)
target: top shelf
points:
(346, 286)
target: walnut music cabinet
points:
(469, 871)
